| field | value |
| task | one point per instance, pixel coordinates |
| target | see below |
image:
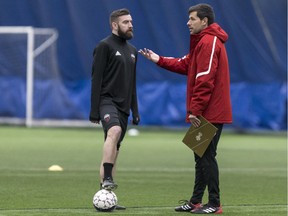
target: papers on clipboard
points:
(198, 139)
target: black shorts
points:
(111, 116)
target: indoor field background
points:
(257, 51)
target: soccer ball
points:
(105, 200)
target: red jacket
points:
(207, 70)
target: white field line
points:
(227, 208)
(159, 169)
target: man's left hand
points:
(194, 120)
(135, 120)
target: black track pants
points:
(207, 173)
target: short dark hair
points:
(203, 10)
(117, 13)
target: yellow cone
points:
(55, 168)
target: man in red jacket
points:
(208, 94)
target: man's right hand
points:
(149, 54)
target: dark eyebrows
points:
(127, 21)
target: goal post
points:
(28, 62)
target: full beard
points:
(125, 35)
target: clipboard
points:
(198, 139)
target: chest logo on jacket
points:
(117, 53)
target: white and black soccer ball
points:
(105, 200)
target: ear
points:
(114, 25)
(205, 21)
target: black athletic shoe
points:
(108, 184)
(187, 206)
(208, 209)
(104, 210)
(118, 207)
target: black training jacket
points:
(114, 76)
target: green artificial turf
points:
(155, 171)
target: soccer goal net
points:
(32, 92)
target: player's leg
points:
(113, 170)
(112, 131)
(115, 163)
(117, 207)
(109, 156)
(123, 118)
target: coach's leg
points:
(213, 177)
(200, 181)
